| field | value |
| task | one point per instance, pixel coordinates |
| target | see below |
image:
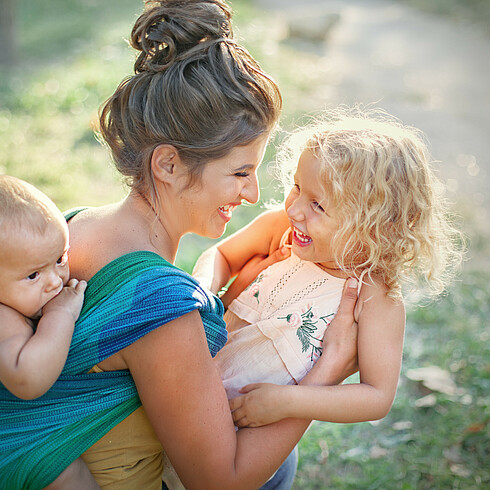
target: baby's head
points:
(391, 217)
(33, 247)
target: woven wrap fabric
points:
(126, 299)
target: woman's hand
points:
(340, 340)
(251, 270)
(260, 405)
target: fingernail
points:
(352, 283)
(284, 250)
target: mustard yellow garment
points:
(129, 456)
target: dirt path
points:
(429, 71)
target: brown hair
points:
(194, 88)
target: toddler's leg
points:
(75, 477)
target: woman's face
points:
(206, 207)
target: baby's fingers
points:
(78, 286)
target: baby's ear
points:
(165, 163)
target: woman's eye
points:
(33, 276)
(242, 174)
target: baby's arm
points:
(31, 362)
(380, 343)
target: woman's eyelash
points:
(242, 174)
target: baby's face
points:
(34, 269)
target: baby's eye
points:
(33, 276)
(62, 259)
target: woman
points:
(188, 132)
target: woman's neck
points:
(159, 237)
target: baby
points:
(39, 303)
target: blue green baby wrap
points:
(125, 300)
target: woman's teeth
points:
(227, 210)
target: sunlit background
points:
(426, 62)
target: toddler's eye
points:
(33, 276)
(318, 207)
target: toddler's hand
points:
(260, 405)
(70, 299)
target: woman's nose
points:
(250, 191)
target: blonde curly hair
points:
(394, 218)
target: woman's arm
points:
(381, 329)
(184, 398)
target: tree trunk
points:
(7, 32)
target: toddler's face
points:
(313, 217)
(34, 269)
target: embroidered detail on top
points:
(306, 324)
(253, 288)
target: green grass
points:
(445, 445)
(71, 55)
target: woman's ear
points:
(165, 163)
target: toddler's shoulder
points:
(373, 294)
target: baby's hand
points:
(260, 405)
(70, 299)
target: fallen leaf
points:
(434, 378)
(426, 401)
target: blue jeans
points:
(284, 477)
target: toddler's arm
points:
(31, 362)
(380, 343)
(251, 249)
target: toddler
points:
(365, 205)
(39, 304)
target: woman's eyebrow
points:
(247, 166)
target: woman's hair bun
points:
(167, 29)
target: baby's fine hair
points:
(394, 220)
(24, 208)
(194, 88)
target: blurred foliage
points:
(71, 56)
(430, 439)
(475, 12)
